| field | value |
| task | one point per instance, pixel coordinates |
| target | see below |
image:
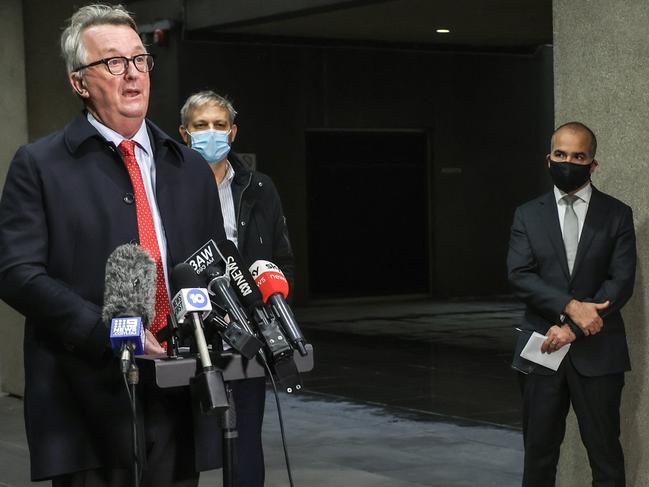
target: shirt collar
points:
(141, 137)
(229, 174)
(583, 194)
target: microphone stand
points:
(165, 373)
(229, 435)
(227, 421)
(132, 377)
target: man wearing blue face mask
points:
(572, 260)
(254, 220)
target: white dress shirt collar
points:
(141, 137)
(583, 194)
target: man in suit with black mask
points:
(572, 260)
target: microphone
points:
(219, 286)
(189, 303)
(127, 336)
(237, 333)
(129, 299)
(246, 290)
(281, 353)
(274, 289)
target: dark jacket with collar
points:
(261, 225)
(604, 270)
(66, 205)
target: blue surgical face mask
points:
(213, 145)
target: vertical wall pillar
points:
(601, 69)
(13, 133)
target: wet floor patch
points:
(438, 358)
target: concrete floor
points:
(415, 393)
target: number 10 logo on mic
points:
(190, 300)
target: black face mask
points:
(568, 176)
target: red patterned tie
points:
(146, 230)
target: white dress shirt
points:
(144, 157)
(580, 205)
(227, 204)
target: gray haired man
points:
(108, 178)
(254, 220)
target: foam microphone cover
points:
(130, 284)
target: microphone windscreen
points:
(183, 276)
(130, 284)
(240, 279)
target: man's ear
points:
(593, 166)
(78, 85)
(233, 133)
(184, 135)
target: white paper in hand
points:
(532, 352)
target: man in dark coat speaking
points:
(109, 177)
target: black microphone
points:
(236, 332)
(274, 289)
(129, 299)
(281, 353)
(189, 304)
(246, 290)
(219, 286)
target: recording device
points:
(278, 350)
(188, 305)
(274, 289)
(236, 332)
(129, 300)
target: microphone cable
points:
(281, 420)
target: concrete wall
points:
(13, 132)
(602, 79)
(50, 101)
(35, 100)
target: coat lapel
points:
(550, 218)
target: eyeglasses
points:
(119, 64)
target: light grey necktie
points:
(570, 230)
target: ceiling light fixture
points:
(443, 31)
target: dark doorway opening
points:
(368, 213)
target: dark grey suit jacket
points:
(604, 270)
